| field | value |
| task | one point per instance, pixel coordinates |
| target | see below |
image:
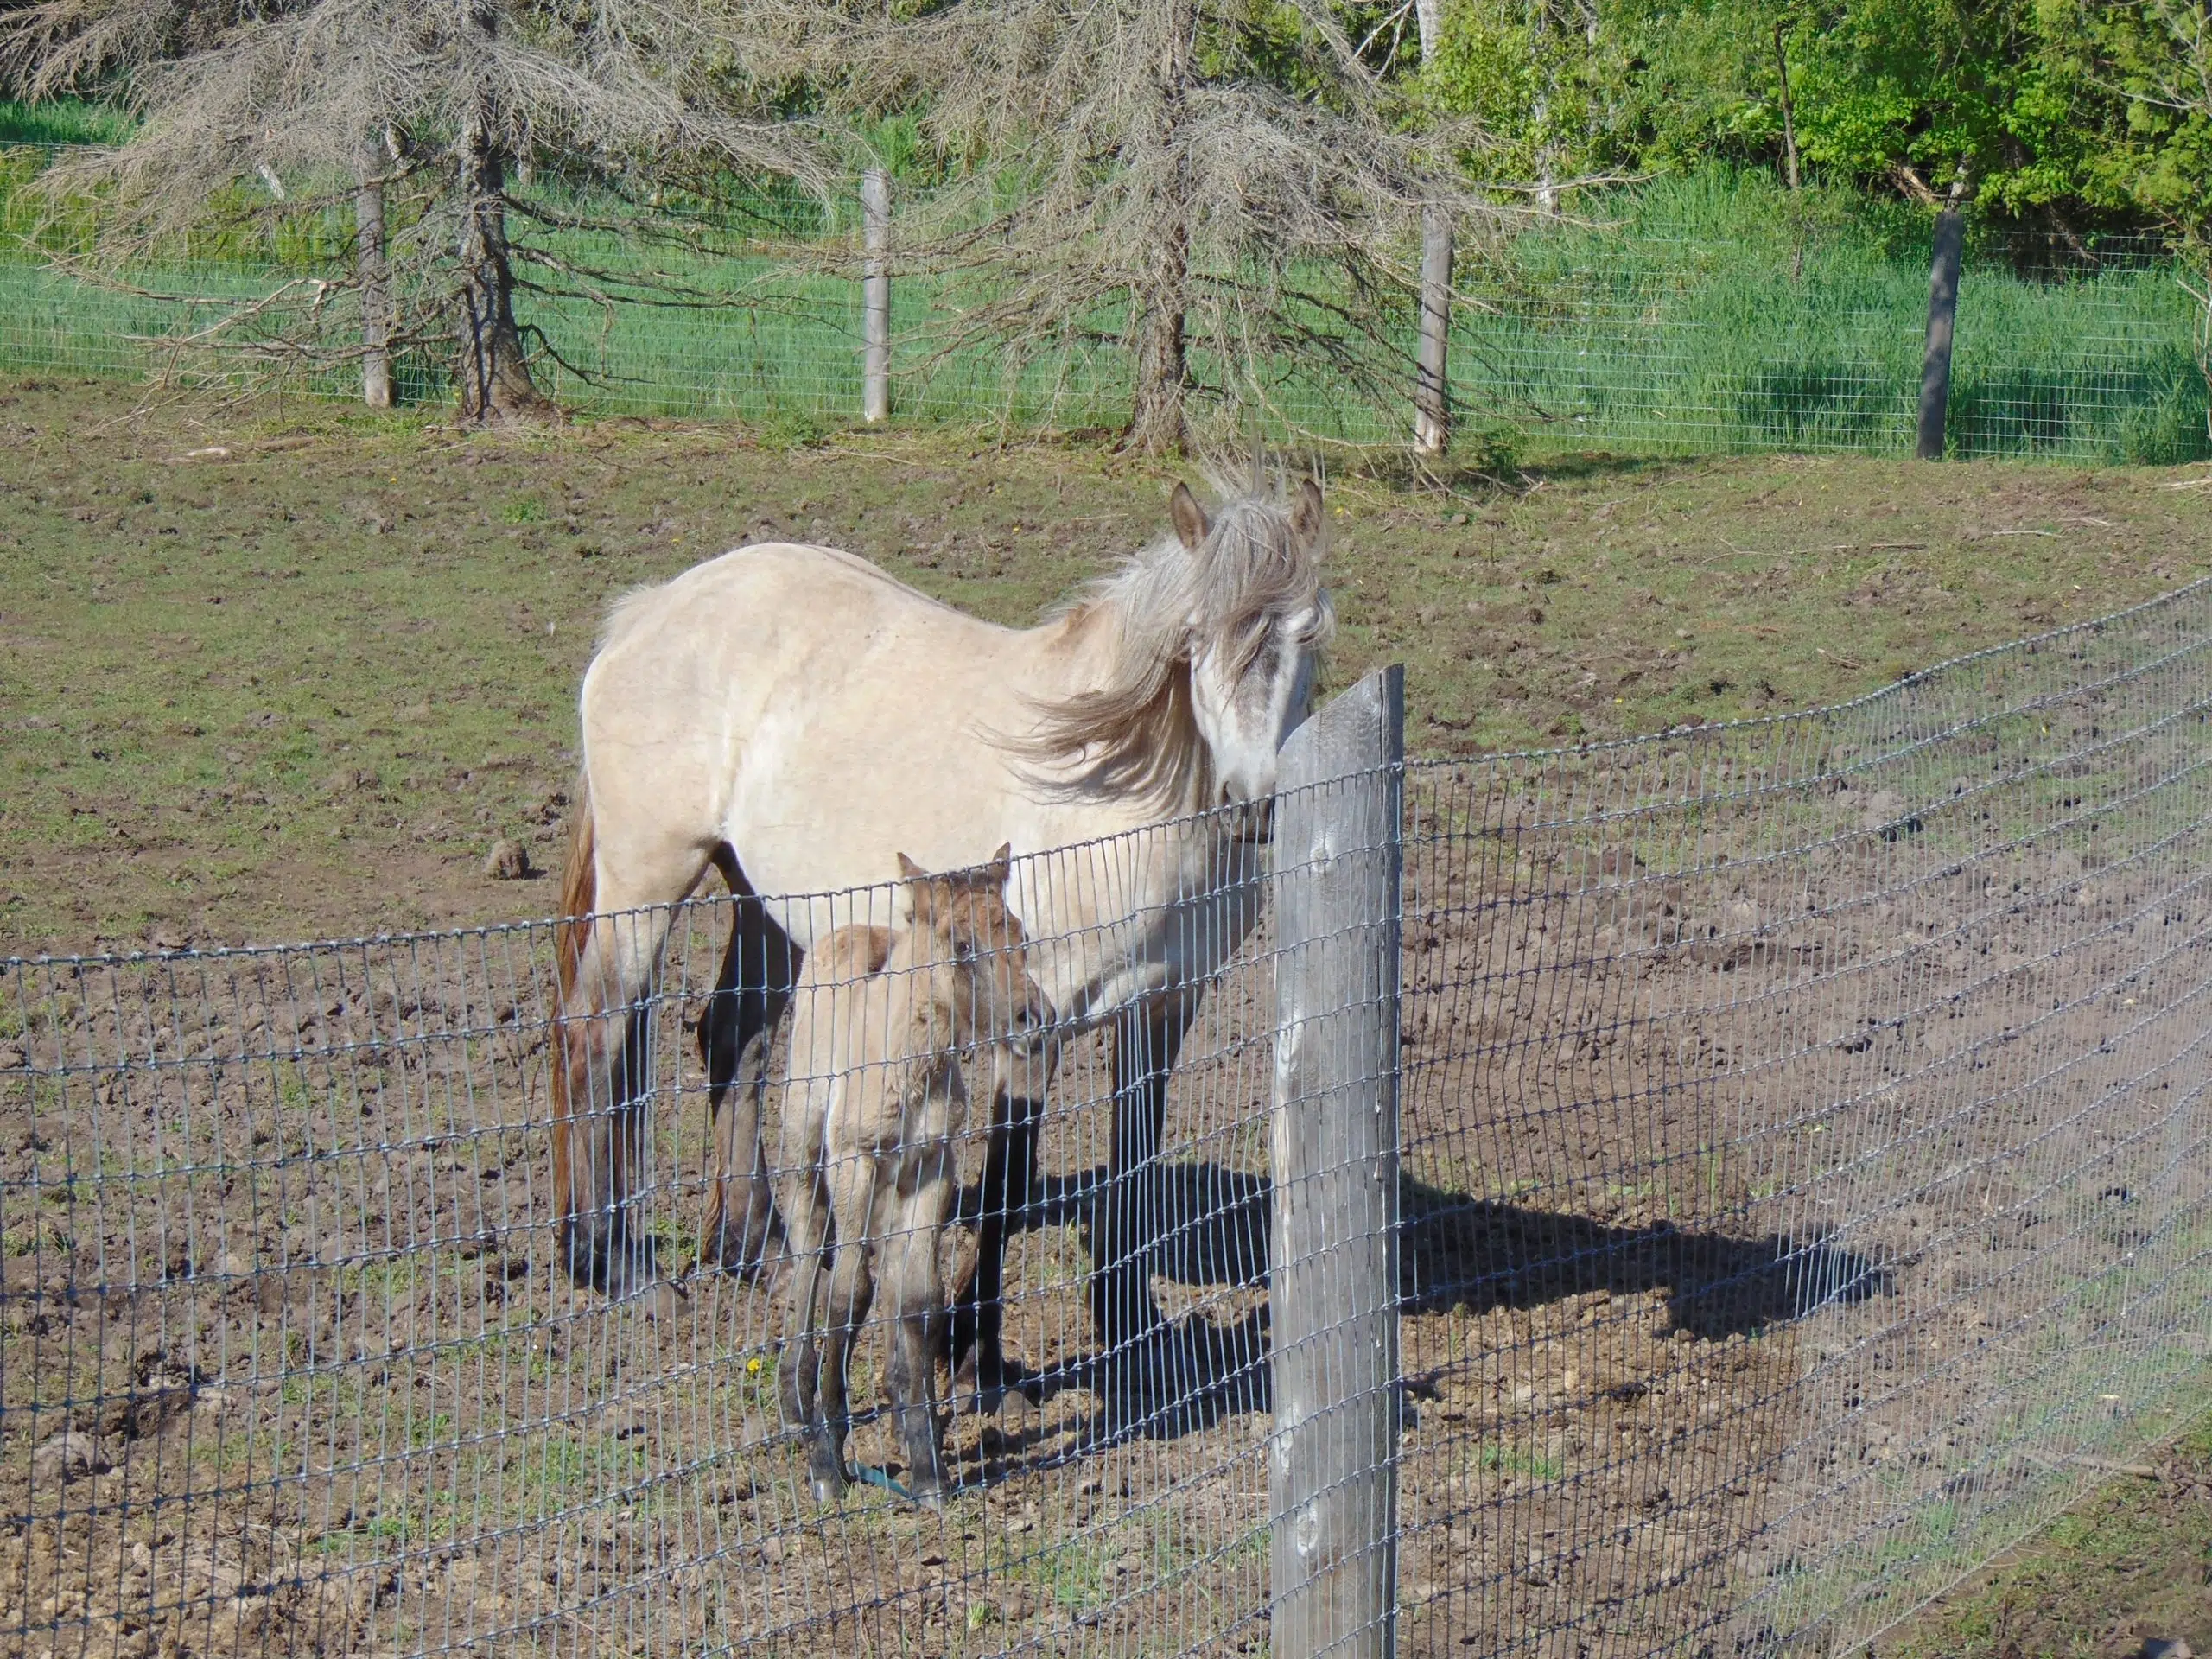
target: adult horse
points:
(796, 718)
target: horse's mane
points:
(1135, 733)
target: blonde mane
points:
(1135, 735)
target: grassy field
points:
(285, 670)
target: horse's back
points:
(779, 586)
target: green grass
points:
(296, 690)
(61, 121)
(1710, 313)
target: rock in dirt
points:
(2165, 1647)
(66, 1456)
(509, 860)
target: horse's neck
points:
(923, 1024)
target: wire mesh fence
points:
(1796, 1191)
(1804, 1141)
(1738, 334)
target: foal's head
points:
(975, 954)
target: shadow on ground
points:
(1457, 1252)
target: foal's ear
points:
(913, 891)
(1192, 524)
(1000, 863)
(1305, 511)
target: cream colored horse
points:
(795, 718)
(877, 1094)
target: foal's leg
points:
(736, 1030)
(806, 1203)
(599, 1126)
(977, 1349)
(852, 1188)
(918, 1303)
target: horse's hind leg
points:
(736, 1031)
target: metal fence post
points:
(1333, 1280)
(875, 297)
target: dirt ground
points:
(1804, 1126)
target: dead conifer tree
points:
(1234, 198)
(417, 115)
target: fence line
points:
(1802, 1190)
(1568, 336)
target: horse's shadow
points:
(1455, 1252)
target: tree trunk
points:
(494, 374)
(376, 316)
(1157, 424)
(1789, 110)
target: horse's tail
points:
(579, 896)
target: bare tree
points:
(615, 98)
(1238, 203)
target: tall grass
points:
(1711, 312)
(61, 121)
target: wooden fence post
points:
(1333, 1260)
(369, 256)
(1431, 380)
(875, 297)
(1943, 311)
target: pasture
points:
(281, 673)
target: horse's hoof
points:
(825, 1471)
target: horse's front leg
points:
(977, 1349)
(598, 1121)
(1146, 1040)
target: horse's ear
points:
(1305, 512)
(1000, 863)
(1192, 524)
(910, 871)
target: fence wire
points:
(1802, 1193)
(1567, 336)
(1805, 1138)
